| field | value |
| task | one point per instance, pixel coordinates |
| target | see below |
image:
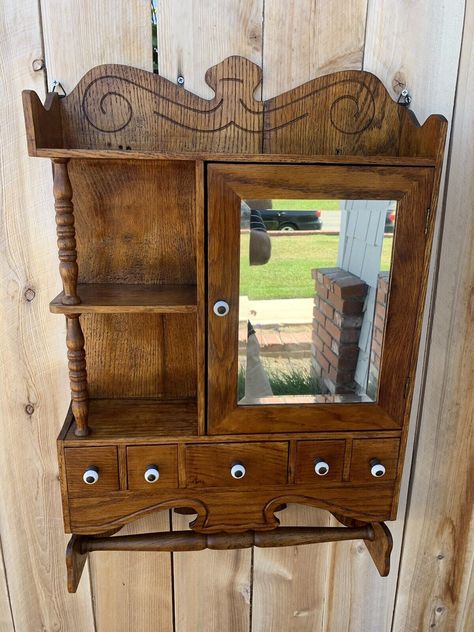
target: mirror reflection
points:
(314, 284)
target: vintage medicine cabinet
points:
(243, 287)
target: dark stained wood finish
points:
(78, 460)
(139, 458)
(189, 541)
(130, 110)
(374, 535)
(345, 113)
(141, 355)
(75, 561)
(120, 298)
(200, 204)
(65, 231)
(42, 122)
(130, 151)
(135, 421)
(138, 421)
(135, 221)
(77, 374)
(308, 452)
(210, 465)
(227, 186)
(380, 546)
(103, 154)
(231, 509)
(363, 451)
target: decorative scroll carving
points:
(346, 113)
(219, 511)
(77, 373)
(65, 232)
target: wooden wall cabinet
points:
(155, 198)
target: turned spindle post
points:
(65, 231)
(76, 356)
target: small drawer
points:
(152, 467)
(237, 464)
(374, 459)
(319, 462)
(91, 470)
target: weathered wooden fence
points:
(425, 45)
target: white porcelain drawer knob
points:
(321, 467)
(91, 476)
(152, 474)
(237, 470)
(221, 308)
(377, 469)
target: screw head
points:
(180, 80)
(37, 64)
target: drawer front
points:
(322, 453)
(211, 465)
(143, 460)
(366, 453)
(81, 460)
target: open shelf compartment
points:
(126, 420)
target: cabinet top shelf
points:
(116, 298)
(117, 111)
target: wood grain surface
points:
(120, 298)
(34, 386)
(93, 34)
(435, 585)
(118, 107)
(318, 587)
(191, 41)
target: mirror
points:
(314, 287)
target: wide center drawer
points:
(237, 464)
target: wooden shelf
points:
(115, 298)
(124, 420)
(117, 154)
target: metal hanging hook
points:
(404, 98)
(57, 86)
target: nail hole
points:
(120, 146)
(128, 148)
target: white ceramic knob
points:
(376, 468)
(237, 470)
(321, 467)
(152, 474)
(221, 308)
(91, 476)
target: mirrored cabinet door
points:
(302, 319)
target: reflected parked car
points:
(275, 219)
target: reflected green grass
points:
(306, 205)
(288, 273)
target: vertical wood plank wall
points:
(425, 46)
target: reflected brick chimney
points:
(337, 320)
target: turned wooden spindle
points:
(376, 536)
(65, 231)
(76, 356)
